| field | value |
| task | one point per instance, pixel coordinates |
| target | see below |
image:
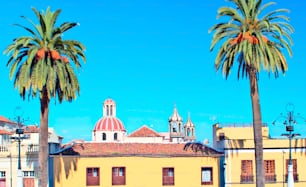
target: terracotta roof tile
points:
(31, 129)
(3, 119)
(144, 131)
(132, 149)
(4, 132)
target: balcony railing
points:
(295, 177)
(32, 148)
(246, 178)
(168, 180)
(176, 134)
(3, 148)
(270, 178)
(118, 180)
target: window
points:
(115, 136)
(28, 173)
(246, 171)
(206, 176)
(118, 176)
(103, 136)
(269, 167)
(174, 129)
(92, 176)
(295, 174)
(221, 136)
(168, 176)
(2, 174)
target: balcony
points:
(3, 148)
(176, 134)
(295, 177)
(270, 178)
(168, 180)
(245, 179)
(32, 148)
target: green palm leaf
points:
(255, 42)
(38, 69)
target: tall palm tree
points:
(44, 64)
(254, 38)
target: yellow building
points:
(134, 165)
(144, 158)
(237, 143)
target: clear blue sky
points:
(148, 56)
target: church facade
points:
(109, 128)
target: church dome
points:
(109, 121)
(109, 124)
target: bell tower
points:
(176, 127)
(189, 130)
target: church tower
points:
(176, 127)
(109, 128)
(189, 130)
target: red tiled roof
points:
(31, 129)
(132, 149)
(3, 119)
(144, 131)
(3, 132)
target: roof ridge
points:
(144, 131)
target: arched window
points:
(115, 136)
(107, 110)
(103, 136)
(188, 132)
(111, 110)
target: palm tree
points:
(44, 64)
(254, 41)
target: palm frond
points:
(36, 61)
(196, 147)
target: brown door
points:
(28, 182)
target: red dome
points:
(109, 124)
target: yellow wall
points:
(239, 145)
(267, 143)
(240, 132)
(233, 167)
(140, 171)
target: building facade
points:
(9, 152)
(134, 165)
(144, 158)
(237, 143)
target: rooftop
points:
(144, 131)
(133, 149)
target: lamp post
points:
(289, 121)
(19, 131)
(290, 135)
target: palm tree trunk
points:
(43, 141)
(257, 130)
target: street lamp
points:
(289, 121)
(19, 131)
